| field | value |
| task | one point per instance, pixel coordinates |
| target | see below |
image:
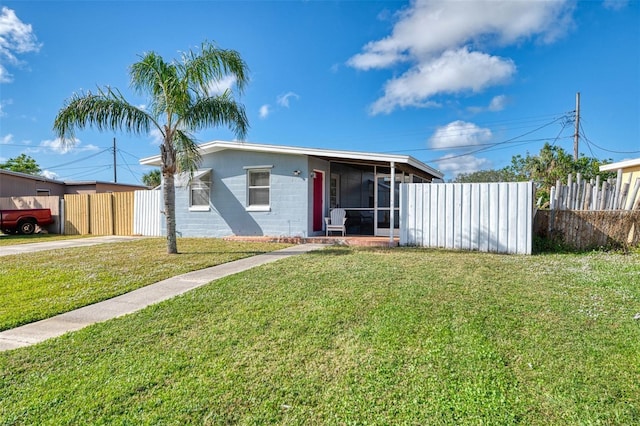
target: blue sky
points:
(460, 85)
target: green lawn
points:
(13, 239)
(39, 285)
(356, 336)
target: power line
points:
(78, 160)
(499, 143)
(128, 168)
(590, 142)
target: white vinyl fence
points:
(487, 217)
(148, 219)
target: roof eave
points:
(620, 165)
(215, 146)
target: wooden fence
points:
(586, 230)
(489, 217)
(99, 214)
(612, 194)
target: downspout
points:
(392, 202)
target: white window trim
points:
(200, 207)
(258, 207)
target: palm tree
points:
(180, 103)
(152, 179)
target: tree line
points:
(552, 163)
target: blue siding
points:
(289, 198)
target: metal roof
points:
(328, 154)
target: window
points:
(258, 188)
(200, 190)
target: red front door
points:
(318, 197)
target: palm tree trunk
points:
(169, 192)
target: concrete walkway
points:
(138, 299)
(60, 244)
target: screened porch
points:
(364, 191)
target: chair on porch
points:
(336, 221)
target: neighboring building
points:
(253, 189)
(14, 184)
(96, 187)
(630, 171)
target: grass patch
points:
(39, 285)
(356, 336)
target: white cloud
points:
(49, 174)
(16, 38)
(265, 110)
(442, 39)
(497, 103)
(218, 87)
(283, 100)
(452, 165)
(6, 139)
(454, 71)
(374, 58)
(459, 134)
(3, 103)
(59, 147)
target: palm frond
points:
(216, 111)
(187, 153)
(164, 82)
(105, 110)
(213, 63)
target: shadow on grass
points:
(222, 252)
(331, 251)
(546, 246)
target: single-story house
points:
(248, 189)
(630, 171)
(14, 184)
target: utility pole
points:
(576, 136)
(115, 168)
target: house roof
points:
(328, 154)
(31, 177)
(39, 178)
(620, 165)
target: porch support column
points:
(392, 202)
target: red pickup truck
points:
(24, 221)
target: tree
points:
(551, 164)
(23, 164)
(180, 103)
(493, 175)
(152, 179)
